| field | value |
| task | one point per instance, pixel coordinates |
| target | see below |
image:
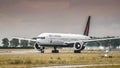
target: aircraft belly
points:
(57, 43)
(54, 43)
(48, 45)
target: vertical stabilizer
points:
(86, 31)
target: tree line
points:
(114, 43)
(17, 43)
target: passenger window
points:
(41, 37)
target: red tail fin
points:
(86, 31)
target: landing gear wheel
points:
(42, 51)
(77, 51)
(55, 51)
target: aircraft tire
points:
(42, 51)
(77, 51)
(55, 51)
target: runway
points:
(75, 66)
(62, 51)
(20, 52)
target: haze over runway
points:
(29, 18)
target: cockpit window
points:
(41, 37)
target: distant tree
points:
(93, 44)
(102, 43)
(24, 43)
(115, 43)
(31, 43)
(34, 38)
(14, 42)
(11, 43)
(5, 42)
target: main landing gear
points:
(55, 50)
(77, 51)
(42, 49)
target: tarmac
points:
(61, 51)
(74, 66)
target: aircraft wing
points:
(91, 40)
(103, 39)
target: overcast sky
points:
(29, 18)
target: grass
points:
(30, 60)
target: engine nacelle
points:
(38, 47)
(79, 45)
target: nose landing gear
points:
(55, 50)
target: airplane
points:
(56, 40)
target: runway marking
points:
(72, 66)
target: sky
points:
(29, 18)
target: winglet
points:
(86, 31)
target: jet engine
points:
(79, 45)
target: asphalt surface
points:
(73, 66)
(33, 51)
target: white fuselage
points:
(59, 38)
